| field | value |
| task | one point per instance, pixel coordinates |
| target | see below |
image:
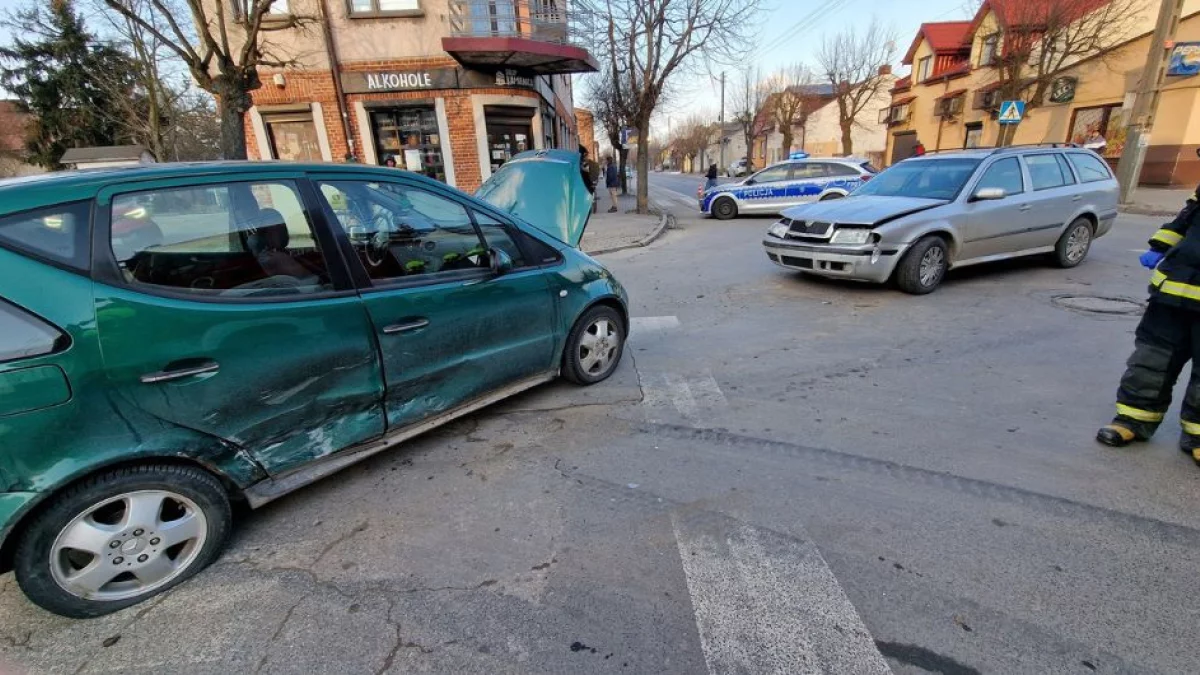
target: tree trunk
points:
(623, 161)
(232, 105)
(847, 138)
(787, 142)
(643, 167)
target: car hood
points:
(867, 209)
(545, 189)
(725, 187)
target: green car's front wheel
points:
(120, 537)
(594, 346)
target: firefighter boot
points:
(1122, 431)
(1190, 445)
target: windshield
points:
(925, 179)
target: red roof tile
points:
(1032, 13)
(902, 84)
(946, 37)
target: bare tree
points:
(852, 63)
(790, 100)
(222, 49)
(689, 140)
(646, 42)
(1039, 41)
(607, 101)
(748, 101)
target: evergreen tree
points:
(52, 68)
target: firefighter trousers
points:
(1166, 339)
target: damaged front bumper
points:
(870, 262)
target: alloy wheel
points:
(598, 347)
(128, 545)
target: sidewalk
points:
(1157, 201)
(624, 229)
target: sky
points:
(792, 31)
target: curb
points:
(1146, 211)
(664, 219)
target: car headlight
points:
(779, 230)
(852, 236)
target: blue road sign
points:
(1011, 112)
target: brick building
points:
(448, 88)
(585, 121)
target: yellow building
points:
(950, 101)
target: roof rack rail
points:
(1035, 145)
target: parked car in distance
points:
(786, 184)
(177, 338)
(737, 169)
(926, 215)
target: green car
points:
(177, 338)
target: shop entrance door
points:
(510, 132)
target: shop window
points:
(510, 132)
(1101, 129)
(385, 7)
(411, 136)
(293, 137)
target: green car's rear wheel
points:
(120, 537)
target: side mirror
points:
(502, 263)
(749, 181)
(988, 194)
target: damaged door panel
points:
(451, 325)
(232, 324)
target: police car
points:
(797, 180)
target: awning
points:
(902, 101)
(951, 94)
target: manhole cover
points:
(1098, 304)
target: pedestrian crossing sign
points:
(1011, 112)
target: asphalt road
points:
(785, 475)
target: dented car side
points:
(264, 380)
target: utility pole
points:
(721, 123)
(1145, 104)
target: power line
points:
(806, 23)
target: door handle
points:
(168, 374)
(1077, 198)
(1025, 207)
(405, 326)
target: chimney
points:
(885, 70)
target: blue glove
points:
(1150, 259)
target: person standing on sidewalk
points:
(711, 176)
(590, 172)
(612, 180)
(1167, 337)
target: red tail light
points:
(867, 176)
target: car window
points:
(58, 234)
(1068, 175)
(1089, 167)
(869, 167)
(23, 335)
(808, 171)
(1004, 174)
(496, 236)
(1045, 172)
(232, 240)
(921, 178)
(404, 232)
(839, 170)
(772, 174)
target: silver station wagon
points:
(929, 214)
